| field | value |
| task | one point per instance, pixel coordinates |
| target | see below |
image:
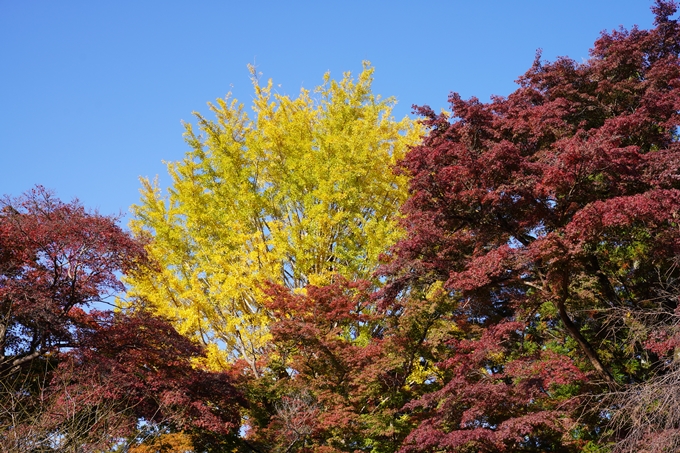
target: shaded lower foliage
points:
(499, 397)
(338, 373)
(143, 367)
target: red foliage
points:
(73, 377)
(492, 402)
(55, 260)
(139, 364)
(543, 208)
(335, 380)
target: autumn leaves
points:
(322, 277)
(302, 192)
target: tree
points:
(338, 372)
(73, 378)
(538, 214)
(299, 193)
(56, 259)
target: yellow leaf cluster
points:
(298, 192)
(165, 443)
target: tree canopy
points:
(56, 259)
(541, 215)
(74, 377)
(300, 192)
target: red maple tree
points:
(338, 372)
(56, 259)
(73, 377)
(538, 213)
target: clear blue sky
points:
(92, 93)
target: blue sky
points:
(93, 93)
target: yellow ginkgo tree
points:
(295, 194)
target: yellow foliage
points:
(165, 443)
(299, 192)
(422, 373)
